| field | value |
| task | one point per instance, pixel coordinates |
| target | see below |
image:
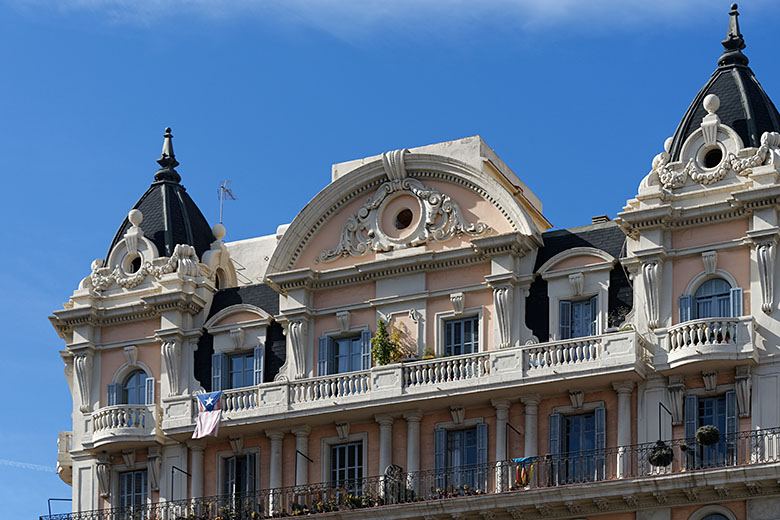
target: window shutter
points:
(731, 414)
(365, 346)
(219, 372)
(113, 394)
(482, 455)
(230, 475)
(555, 448)
(691, 416)
(250, 473)
(564, 319)
(324, 352)
(149, 390)
(685, 304)
(439, 457)
(594, 315)
(601, 441)
(259, 361)
(736, 302)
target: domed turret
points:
(170, 216)
(744, 106)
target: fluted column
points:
(196, 482)
(531, 403)
(624, 390)
(385, 441)
(413, 419)
(301, 433)
(275, 467)
(502, 418)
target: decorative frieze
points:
(651, 278)
(82, 364)
(184, 260)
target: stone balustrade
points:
(578, 351)
(440, 370)
(706, 339)
(705, 331)
(122, 423)
(329, 387)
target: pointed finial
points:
(167, 160)
(734, 43)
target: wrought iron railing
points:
(552, 470)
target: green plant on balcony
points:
(428, 353)
(707, 435)
(661, 455)
(297, 509)
(386, 345)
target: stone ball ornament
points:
(219, 231)
(135, 217)
(711, 103)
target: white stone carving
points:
(393, 163)
(82, 364)
(184, 260)
(457, 300)
(577, 282)
(661, 496)
(236, 444)
(135, 232)
(670, 178)
(171, 350)
(414, 315)
(676, 398)
(601, 503)
(442, 219)
(153, 466)
(651, 276)
(237, 337)
(342, 430)
(458, 414)
(710, 380)
(765, 254)
(692, 494)
(128, 456)
(710, 261)
(743, 385)
(502, 298)
(577, 398)
(131, 354)
(710, 122)
(103, 474)
(343, 319)
(297, 330)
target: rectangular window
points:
(346, 466)
(237, 371)
(577, 447)
(240, 474)
(721, 412)
(342, 355)
(347, 355)
(132, 489)
(461, 336)
(578, 318)
(460, 457)
(242, 370)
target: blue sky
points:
(576, 97)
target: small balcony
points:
(563, 485)
(123, 425)
(713, 340)
(623, 354)
(64, 460)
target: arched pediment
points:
(440, 199)
(237, 314)
(576, 257)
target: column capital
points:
(384, 419)
(274, 435)
(501, 404)
(530, 400)
(301, 430)
(413, 416)
(196, 445)
(623, 387)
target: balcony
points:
(64, 460)
(587, 483)
(123, 425)
(607, 355)
(718, 340)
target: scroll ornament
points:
(183, 259)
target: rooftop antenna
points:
(224, 189)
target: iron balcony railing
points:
(397, 487)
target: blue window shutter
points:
(365, 346)
(259, 361)
(149, 390)
(731, 414)
(601, 428)
(685, 304)
(250, 473)
(691, 416)
(594, 315)
(323, 355)
(440, 456)
(564, 318)
(219, 372)
(482, 443)
(736, 302)
(557, 465)
(555, 433)
(113, 394)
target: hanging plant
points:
(661, 455)
(707, 435)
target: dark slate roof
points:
(744, 106)
(259, 295)
(606, 236)
(170, 216)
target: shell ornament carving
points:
(441, 220)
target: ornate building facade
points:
(625, 369)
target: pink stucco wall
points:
(111, 360)
(129, 331)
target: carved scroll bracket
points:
(503, 298)
(297, 332)
(651, 278)
(676, 398)
(82, 364)
(744, 386)
(171, 351)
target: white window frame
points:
(442, 317)
(328, 442)
(222, 456)
(116, 469)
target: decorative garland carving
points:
(297, 330)
(82, 363)
(171, 350)
(183, 259)
(442, 219)
(670, 179)
(765, 254)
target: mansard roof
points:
(744, 106)
(170, 216)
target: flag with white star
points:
(209, 414)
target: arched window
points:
(134, 387)
(712, 299)
(715, 516)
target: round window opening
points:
(135, 264)
(404, 219)
(713, 158)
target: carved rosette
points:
(651, 277)
(297, 330)
(82, 364)
(765, 254)
(502, 298)
(171, 350)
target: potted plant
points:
(661, 455)
(707, 435)
(385, 346)
(428, 353)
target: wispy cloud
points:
(26, 465)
